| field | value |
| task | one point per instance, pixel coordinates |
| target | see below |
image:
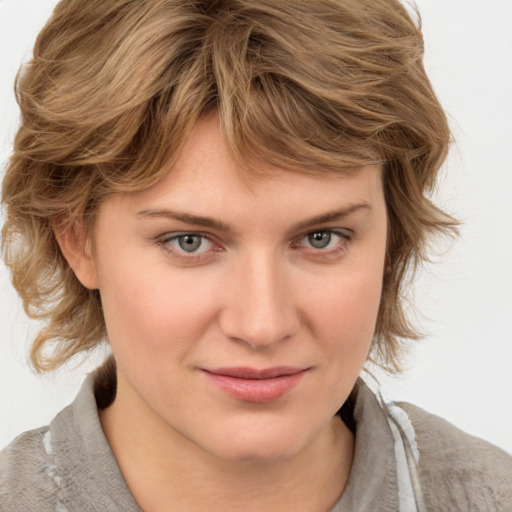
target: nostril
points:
(259, 335)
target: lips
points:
(256, 385)
(251, 373)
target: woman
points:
(231, 194)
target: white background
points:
(462, 370)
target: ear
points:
(76, 247)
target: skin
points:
(254, 293)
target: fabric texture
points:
(69, 466)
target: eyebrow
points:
(187, 218)
(332, 216)
(209, 222)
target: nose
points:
(260, 305)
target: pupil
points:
(190, 243)
(320, 239)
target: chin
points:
(259, 447)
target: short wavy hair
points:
(115, 86)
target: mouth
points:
(256, 385)
(254, 374)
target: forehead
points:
(206, 163)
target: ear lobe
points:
(76, 249)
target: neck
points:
(161, 466)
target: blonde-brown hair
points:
(115, 86)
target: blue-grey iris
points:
(320, 239)
(190, 243)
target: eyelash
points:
(165, 243)
(345, 238)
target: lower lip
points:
(256, 390)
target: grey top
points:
(405, 459)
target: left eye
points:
(190, 243)
(322, 239)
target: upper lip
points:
(242, 372)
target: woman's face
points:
(240, 312)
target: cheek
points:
(347, 306)
(342, 322)
(148, 307)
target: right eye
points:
(186, 245)
(190, 243)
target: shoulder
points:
(459, 471)
(68, 465)
(26, 474)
